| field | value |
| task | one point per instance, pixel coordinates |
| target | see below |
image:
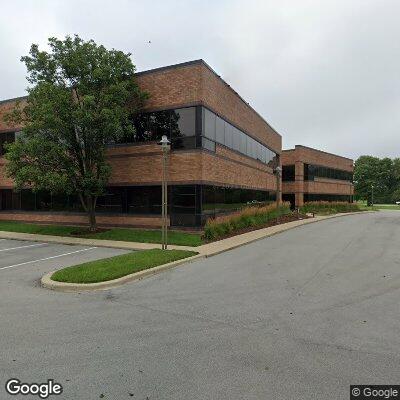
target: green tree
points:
(383, 174)
(80, 99)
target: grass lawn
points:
(116, 267)
(124, 234)
(363, 205)
(386, 207)
(147, 236)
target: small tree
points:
(80, 99)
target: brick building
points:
(313, 175)
(223, 156)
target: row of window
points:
(179, 125)
(184, 199)
(327, 197)
(312, 171)
(218, 130)
(189, 204)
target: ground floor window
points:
(189, 205)
(326, 197)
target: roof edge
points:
(320, 151)
(200, 61)
(13, 99)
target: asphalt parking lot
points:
(22, 262)
(300, 315)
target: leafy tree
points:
(383, 174)
(81, 98)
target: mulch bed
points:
(282, 220)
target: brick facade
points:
(182, 85)
(301, 155)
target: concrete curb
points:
(48, 283)
(205, 251)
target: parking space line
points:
(48, 258)
(24, 247)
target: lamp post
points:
(372, 195)
(165, 146)
(278, 171)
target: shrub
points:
(223, 225)
(329, 207)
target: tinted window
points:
(288, 172)
(208, 144)
(209, 124)
(186, 120)
(228, 135)
(235, 139)
(6, 138)
(220, 130)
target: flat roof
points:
(180, 65)
(200, 61)
(320, 151)
(13, 99)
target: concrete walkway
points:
(205, 250)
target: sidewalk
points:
(206, 250)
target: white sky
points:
(324, 73)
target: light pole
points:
(278, 171)
(165, 146)
(372, 195)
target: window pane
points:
(43, 201)
(27, 200)
(209, 124)
(228, 135)
(144, 200)
(243, 142)
(208, 144)
(220, 130)
(183, 122)
(235, 139)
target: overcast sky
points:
(324, 74)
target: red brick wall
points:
(81, 219)
(185, 85)
(304, 155)
(5, 108)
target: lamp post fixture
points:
(165, 146)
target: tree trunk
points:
(91, 206)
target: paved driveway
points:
(300, 315)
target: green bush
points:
(221, 226)
(329, 207)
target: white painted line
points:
(24, 247)
(48, 258)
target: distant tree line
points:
(381, 174)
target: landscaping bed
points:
(116, 267)
(245, 220)
(282, 220)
